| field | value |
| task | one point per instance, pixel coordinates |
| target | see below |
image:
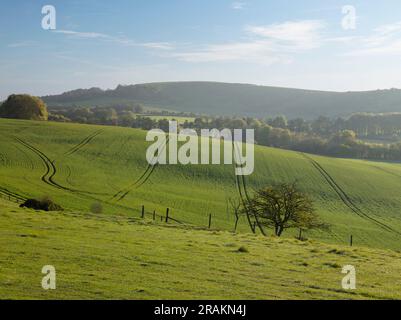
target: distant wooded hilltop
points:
(216, 98)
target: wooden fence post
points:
(210, 220)
(351, 241)
(154, 214)
(167, 211)
(143, 212)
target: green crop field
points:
(180, 120)
(79, 165)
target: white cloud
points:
(22, 44)
(344, 40)
(83, 35)
(256, 51)
(238, 5)
(158, 45)
(78, 61)
(389, 30)
(384, 40)
(296, 34)
(117, 39)
(266, 44)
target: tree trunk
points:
(279, 231)
(236, 224)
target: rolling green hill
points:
(117, 254)
(110, 257)
(235, 99)
(79, 165)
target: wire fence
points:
(11, 197)
(167, 217)
(155, 215)
(302, 234)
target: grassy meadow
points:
(116, 254)
(110, 257)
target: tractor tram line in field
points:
(345, 198)
(244, 196)
(140, 181)
(72, 151)
(122, 193)
(68, 178)
(387, 171)
(83, 143)
(137, 184)
(49, 165)
(31, 165)
(241, 187)
(51, 170)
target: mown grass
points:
(115, 158)
(100, 256)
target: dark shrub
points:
(243, 250)
(96, 207)
(45, 205)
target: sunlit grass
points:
(109, 257)
(113, 160)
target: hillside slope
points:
(110, 257)
(235, 99)
(79, 165)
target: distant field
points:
(180, 120)
(110, 257)
(384, 140)
(79, 165)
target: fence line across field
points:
(11, 198)
(166, 218)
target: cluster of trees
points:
(134, 116)
(365, 125)
(293, 135)
(279, 207)
(333, 137)
(375, 125)
(118, 115)
(320, 136)
(23, 106)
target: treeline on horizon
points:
(337, 137)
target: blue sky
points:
(288, 43)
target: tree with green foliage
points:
(345, 137)
(23, 106)
(283, 207)
(278, 122)
(139, 109)
(322, 125)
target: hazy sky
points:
(287, 43)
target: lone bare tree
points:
(283, 207)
